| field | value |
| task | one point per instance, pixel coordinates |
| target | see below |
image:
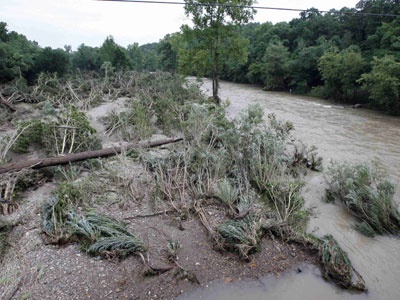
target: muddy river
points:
(341, 134)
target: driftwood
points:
(74, 157)
(6, 103)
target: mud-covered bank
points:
(180, 202)
(342, 134)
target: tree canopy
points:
(215, 37)
(343, 54)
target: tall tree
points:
(276, 63)
(52, 61)
(213, 22)
(17, 54)
(383, 83)
(111, 52)
(86, 58)
(167, 53)
(136, 56)
(341, 70)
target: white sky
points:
(57, 23)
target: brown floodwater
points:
(341, 134)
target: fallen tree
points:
(74, 157)
(7, 103)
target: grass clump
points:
(106, 236)
(54, 219)
(284, 197)
(120, 245)
(99, 234)
(242, 235)
(56, 212)
(367, 195)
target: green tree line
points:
(350, 55)
(21, 58)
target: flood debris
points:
(15, 183)
(334, 262)
(240, 178)
(336, 265)
(99, 234)
(242, 235)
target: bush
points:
(368, 195)
(69, 132)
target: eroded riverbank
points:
(342, 134)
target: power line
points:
(254, 7)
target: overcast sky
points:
(57, 23)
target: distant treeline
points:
(350, 55)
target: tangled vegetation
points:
(100, 235)
(68, 132)
(367, 195)
(254, 170)
(336, 265)
(249, 167)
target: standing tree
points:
(340, 72)
(276, 66)
(214, 26)
(383, 83)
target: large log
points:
(74, 157)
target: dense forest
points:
(350, 55)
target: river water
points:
(342, 134)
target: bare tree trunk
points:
(63, 160)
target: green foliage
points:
(69, 193)
(226, 192)
(30, 132)
(341, 70)
(54, 219)
(56, 209)
(367, 195)
(336, 265)
(105, 236)
(168, 55)
(117, 245)
(383, 83)
(136, 56)
(113, 53)
(215, 33)
(86, 58)
(99, 234)
(51, 61)
(17, 54)
(285, 198)
(242, 235)
(276, 66)
(237, 162)
(69, 132)
(160, 99)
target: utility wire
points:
(255, 7)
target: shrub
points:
(368, 195)
(69, 132)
